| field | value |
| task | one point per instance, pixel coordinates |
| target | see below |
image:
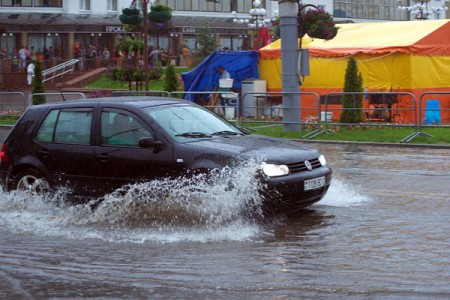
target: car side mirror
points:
(149, 142)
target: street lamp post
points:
(289, 54)
(420, 9)
(257, 19)
(144, 4)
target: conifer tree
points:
(170, 79)
(352, 104)
(38, 84)
(205, 40)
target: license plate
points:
(315, 183)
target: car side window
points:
(121, 129)
(45, 133)
(71, 127)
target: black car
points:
(98, 145)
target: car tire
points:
(31, 180)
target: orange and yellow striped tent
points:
(406, 56)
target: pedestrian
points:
(22, 57)
(32, 54)
(106, 53)
(51, 53)
(223, 74)
(30, 73)
(186, 55)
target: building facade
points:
(387, 10)
(61, 24)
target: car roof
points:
(137, 101)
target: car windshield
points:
(185, 123)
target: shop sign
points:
(114, 28)
(188, 30)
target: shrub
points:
(159, 13)
(170, 79)
(117, 74)
(38, 84)
(155, 71)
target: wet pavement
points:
(381, 232)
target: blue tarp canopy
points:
(240, 64)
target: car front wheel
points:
(32, 181)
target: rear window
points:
(66, 126)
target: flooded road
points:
(381, 232)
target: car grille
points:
(300, 166)
(291, 198)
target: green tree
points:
(131, 45)
(352, 104)
(38, 84)
(206, 42)
(170, 79)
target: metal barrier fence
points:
(385, 112)
(140, 93)
(255, 107)
(12, 103)
(393, 109)
(57, 97)
(432, 115)
(435, 110)
(231, 110)
(266, 108)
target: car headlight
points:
(273, 170)
(322, 160)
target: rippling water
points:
(380, 233)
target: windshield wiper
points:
(246, 130)
(194, 135)
(226, 132)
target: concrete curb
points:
(378, 144)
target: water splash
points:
(341, 194)
(220, 205)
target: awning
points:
(29, 22)
(413, 37)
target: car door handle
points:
(44, 152)
(103, 157)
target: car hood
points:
(259, 147)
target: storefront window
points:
(112, 5)
(238, 43)
(22, 3)
(41, 41)
(48, 3)
(85, 4)
(190, 42)
(231, 43)
(8, 43)
(161, 42)
(212, 6)
(225, 43)
(32, 3)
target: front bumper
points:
(287, 194)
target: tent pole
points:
(289, 54)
